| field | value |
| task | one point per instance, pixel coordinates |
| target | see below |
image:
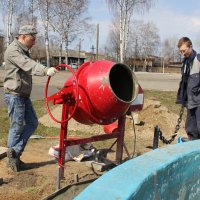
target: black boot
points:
(13, 161)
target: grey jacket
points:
(19, 69)
(193, 89)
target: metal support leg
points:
(58, 178)
(126, 150)
(120, 139)
(156, 137)
(62, 146)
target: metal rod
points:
(126, 149)
(156, 137)
(95, 138)
(120, 139)
(62, 146)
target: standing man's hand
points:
(51, 71)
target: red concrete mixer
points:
(98, 92)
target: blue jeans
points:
(23, 121)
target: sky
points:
(99, 13)
(173, 18)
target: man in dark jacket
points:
(19, 68)
(189, 88)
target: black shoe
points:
(13, 161)
(11, 153)
(185, 139)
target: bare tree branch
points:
(123, 11)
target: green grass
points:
(166, 98)
(4, 124)
(32, 190)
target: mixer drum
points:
(106, 90)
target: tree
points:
(170, 50)
(68, 20)
(148, 39)
(27, 14)
(44, 14)
(9, 23)
(113, 42)
(7, 12)
(24, 17)
(143, 41)
(9, 8)
(123, 11)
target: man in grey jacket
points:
(19, 69)
(189, 87)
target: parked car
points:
(2, 66)
(73, 65)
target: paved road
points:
(156, 81)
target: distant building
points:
(153, 64)
(74, 57)
(141, 64)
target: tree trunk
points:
(46, 28)
(9, 23)
(47, 35)
(121, 33)
(31, 11)
(60, 53)
(127, 34)
(66, 51)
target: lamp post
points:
(93, 54)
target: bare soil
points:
(39, 180)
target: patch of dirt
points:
(40, 179)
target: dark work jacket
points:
(189, 93)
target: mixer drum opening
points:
(122, 82)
